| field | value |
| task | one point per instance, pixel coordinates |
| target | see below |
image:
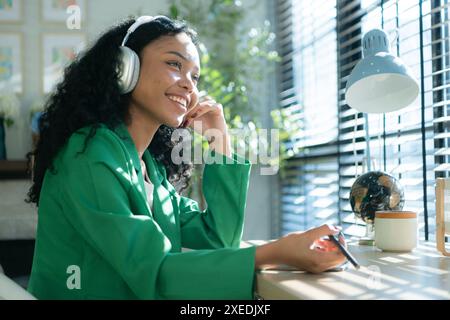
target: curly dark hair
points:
(89, 95)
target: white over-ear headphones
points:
(129, 64)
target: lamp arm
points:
(366, 129)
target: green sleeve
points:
(225, 186)
(96, 200)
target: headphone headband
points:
(139, 21)
(129, 65)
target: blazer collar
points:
(122, 131)
(152, 169)
(164, 204)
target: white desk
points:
(421, 274)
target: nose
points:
(187, 83)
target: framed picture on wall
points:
(58, 50)
(59, 11)
(10, 11)
(11, 78)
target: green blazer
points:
(98, 239)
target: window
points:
(308, 88)
(319, 51)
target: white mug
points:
(396, 230)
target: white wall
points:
(262, 200)
(100, 15)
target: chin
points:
(174, 123)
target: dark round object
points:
(375, 191)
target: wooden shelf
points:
(14, 169)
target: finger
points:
(320, 249)
(342, 239)
(324, 243)
(200, 112)
(325, 260)
(317, 245)
(322, 231)
(206, 98)
(192, 110)
(330, 259)
(327, 245)
(188, 115)
(198, 105)
(216, 107)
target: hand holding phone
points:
(344, 250)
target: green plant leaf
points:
(9, 122)
(235, 58)
(173, 11)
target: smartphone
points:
(344, 250)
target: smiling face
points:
(167, 85)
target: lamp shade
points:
(380, 82)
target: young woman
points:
(111, 225)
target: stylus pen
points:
(344, 251)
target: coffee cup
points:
(396, 231)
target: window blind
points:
(412, 144)
(307, 45)
(401, 143)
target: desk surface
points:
(420, 274)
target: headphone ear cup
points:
(129, 66)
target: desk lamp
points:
(380, 82)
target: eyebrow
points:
(179, 55)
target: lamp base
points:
(369, 238)
(366, 242)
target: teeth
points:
(178, 99)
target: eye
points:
(196, 78)
(175, 64)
